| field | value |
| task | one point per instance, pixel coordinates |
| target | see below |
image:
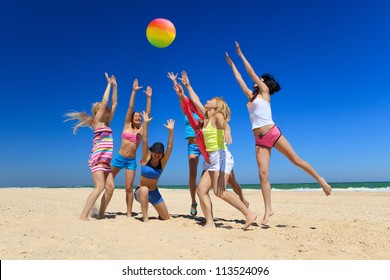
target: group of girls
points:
(207, 133)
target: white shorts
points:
(221, 160)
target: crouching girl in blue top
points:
(152, 165)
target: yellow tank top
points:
(213, 138)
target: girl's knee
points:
(143, 192)
(164, 217)
(100, 188)
(110, 188)
(199, 192)
(129, 189)
(263, 176)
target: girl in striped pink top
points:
(101, 154)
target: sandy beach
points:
(43, 224)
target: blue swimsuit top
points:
(189, 132)
(150, 172)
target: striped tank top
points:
(101, 154)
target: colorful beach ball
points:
(160, 32)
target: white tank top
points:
(260, 113)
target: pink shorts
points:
(269, 138)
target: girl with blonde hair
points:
(101, 154)
(194, 153)
(216, 131)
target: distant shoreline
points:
(339, 186)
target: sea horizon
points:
(344, 186)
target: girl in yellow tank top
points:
(216, 133)
(214, 138)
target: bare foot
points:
(325, 186)
(101, 216)
(209, 225)
(267, 214)
(84, 218)
(249, 220)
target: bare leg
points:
(99, 180)
(162, 211)
(193, 169)
(129, 175)
(106, 198)
(283, 146)
(204, 198)
(142, 197)
(263, 156)
(218, 181)
(232, 182)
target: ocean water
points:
(345, 186)
(342, 186)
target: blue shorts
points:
(154, 196)
(121, 162)
(193, 149)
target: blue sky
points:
(330, 57)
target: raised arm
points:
(99, 117)
(262, 87)
(129, 113)
(180, 95)
(145, 144)
(148, 93)
(194, 97)
(114, 97)
(170, 126)
(247, 91)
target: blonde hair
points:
(222, 108)
(83, 118)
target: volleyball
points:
(160, 33)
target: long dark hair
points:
(271, 83)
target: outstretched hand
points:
(228, 59)
(238, 49)
(136, 86)
(113, 81)
(148, 91)
(146, 117)
(184, 78)
(173, 77)
(107, 78)
(170, 124)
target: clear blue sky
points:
(331, 58)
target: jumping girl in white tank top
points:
(266, 133)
